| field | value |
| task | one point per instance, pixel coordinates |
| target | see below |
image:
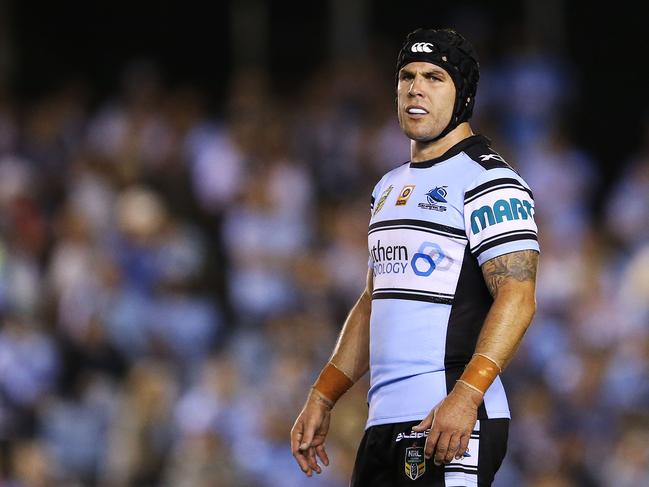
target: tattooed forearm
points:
(520, 266)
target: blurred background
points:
(183, 201)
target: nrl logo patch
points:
(415, 462)
(381, 201)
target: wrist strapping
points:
(480, 372)
(332, 382)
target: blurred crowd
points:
(172, 278)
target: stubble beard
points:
(424, 134)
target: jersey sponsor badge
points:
(382, 199)
(406, 192)
(415, 462)
(436, 199)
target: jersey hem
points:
(419, 416)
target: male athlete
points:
(450, 292)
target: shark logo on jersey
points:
(436, 197)
(382, 199)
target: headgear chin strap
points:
(449, 50)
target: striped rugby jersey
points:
(433, 224)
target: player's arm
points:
(348, 363)
(511, 279)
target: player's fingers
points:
(322, 454)
(424, 424)
(301, 460)
(296, 439)
(313, 462)
(431, 443)
(441, 448)
(464, 444)
(453, 447)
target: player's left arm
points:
(511, 280)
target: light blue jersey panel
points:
(432, 225)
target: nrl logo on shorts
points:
(381, 201)
(415, 462)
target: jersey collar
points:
(453, 151)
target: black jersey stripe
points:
(470, 307)
(491, 183)
(495, 184)
(420, 291)
(413, 297)
(419, 229)
(459, 232)
(419, 223)
(498, 188)
(504, 240)
(500, 235)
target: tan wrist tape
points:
(332, 382)
(470, 386)
(480, 372)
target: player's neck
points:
(425, 151)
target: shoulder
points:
(490, 168)
(482, 153)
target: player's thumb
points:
(307, 438)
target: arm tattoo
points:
(520, 266)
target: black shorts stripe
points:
(414, 291)
(449, 468)
(457, 232)
(413, 297)
(510, 182)
(462, 465)
(512, 238)
(500, 235)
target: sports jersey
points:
(433, 224)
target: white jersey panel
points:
(429, 297)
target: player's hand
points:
(309, 432)
(451, 423)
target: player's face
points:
(425, 98)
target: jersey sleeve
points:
(499, 215)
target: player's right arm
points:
(349, 362)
